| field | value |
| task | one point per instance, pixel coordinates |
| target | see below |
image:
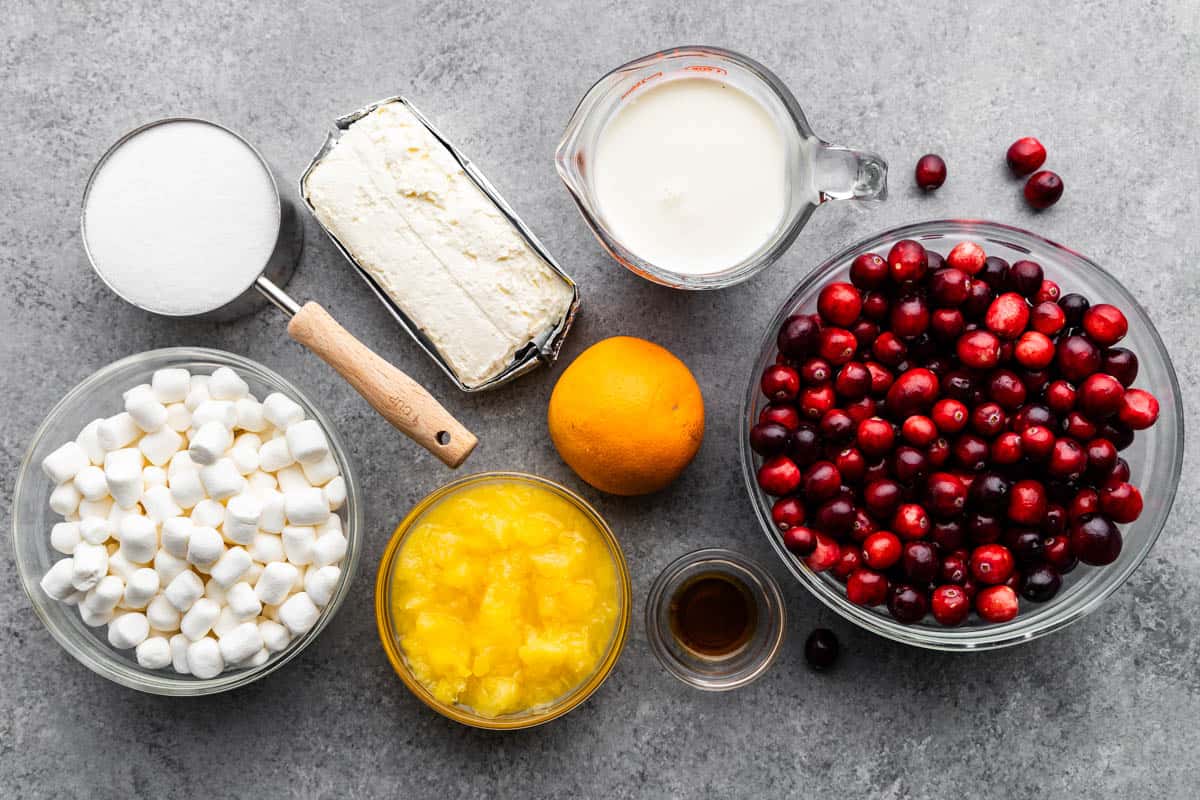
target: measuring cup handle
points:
(845, 174)
(401, 400)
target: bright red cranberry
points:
(945, 495)
(909, 316)
(881, 377)
(821, 481)
(837, 345)
(814, 401)
(997, 603)
(1007, 316)
(779, 476)
(1079, 426)
(875, 305)
(1025, 155)
(1067, 460)
(949, 288)
(1077, 358)
(787, 512)
(988, 419)
(919, 563)
(914, 391)
(938, 453)
(866, 587)
(875, 437)
(1060, 396)
(780, 414)
(839, 304)
(919, 431)
(1034, 350)
(882, 550)
(1096, 541)
(1026, 277)
(882, 497)
(827, 553)
(910, 465)
(946, 324)
(906, 604)
(860, 409)
(910, 521)
(850, 560)
(1040, 583)
(800, 540)
(864, 525)
(1057, 552)
(967, 257)
(949, 605)
(889, 349)
(1049, 291)
(1006, 449)
(869, 271)
(950, 416)
(815, 371)
(1006, 388)
(1043, 189)
(780, 383)
(1120, 501)
(1027, 503)
(1121, 363)
(978, 350)
(1085, 504)
(853, 380)
(930, 172)
(851, 464)
(804, 445)
(1048, 318)
(768, 439)
(971, 452)
(1139, 409)
(799, 336)
(953, 569)
(908, 261)
(1100, 396)
(1105, 324)
(991, 563)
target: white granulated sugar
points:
(181, 218)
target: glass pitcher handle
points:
(845, 174)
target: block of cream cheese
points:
(403, 207)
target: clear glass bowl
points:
(1155, 458)
(100, 395)
(391, 639)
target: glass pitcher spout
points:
(842, 173)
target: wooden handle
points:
(401, 400)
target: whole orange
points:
(627, 416)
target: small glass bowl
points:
(100, 395)
(1155, 458)
(391, 639)
(742, 666)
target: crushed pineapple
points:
(505, 598)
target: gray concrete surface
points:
(1107, 708)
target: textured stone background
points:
(1107, 708)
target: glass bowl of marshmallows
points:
(186, 521)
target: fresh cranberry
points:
(804, 445)
(1067, 460)
(938, 453)
(800, 540)
(979, 350)
(1007, 316)
(919, 431)
(816, 400)
(875, 437)
(821, 481)
(815, 371)
(989, 493)
(853, 380)
(835, 516)
(826, 554)
(914, 391)
(949, 605)
(882, 550)
(1079, 426)
(919, 563)
(821, 649)
(1043, 189)
(953, 568)
(930, 172)
(1049, 291)
(1058, 554)
(1027, 504)
(1026, 544)
(1077, 358)
(1085, 504)
(839, 304)
(882, 497)
(869, 271)
(1100, 396)
(1048, 318)
(1033, 414)
(1096, 541)
(1025, 155)
(949, 288)
(875, 305)
(849, 560)
(988, 419)
(1139, 409)
(1120, 470)
(1006, 449)
(1121, 363)
(1105, 324)
(1040, 583)
(837, 345)
(768, 439)
(1007, 389)
(1120, 501)
(1074, 306)
(851, 464)
(966, 256)
(881, 377)
(889, 349)
(799, 336)
(950, 416)
(978, 299)
(997, 603)
(994, 273)
(779, 476)
(866, 587)
(908, 261)
(780, 383)
(860, 409)
(780, 414)
(910, 521)
(1060, 396)
(1101, 457)
(983, 528)
(1034, 350)
(836, 426)
(945, 495)
(991, 563)
(910, 465)
(909, 317)
(787, 512)
(971, 452)
(1026, 277)
(946, 324)
(1117, 432)
(948, 534)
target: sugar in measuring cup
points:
(696, 168)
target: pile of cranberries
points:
(945, 433)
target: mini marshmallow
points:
(306, 441)
(96, 530)
(116, 514)
(292, 477)
(179, 651)
(65, 463)
(65, 499)
(334, 523)
(121, 566)
(205, 546)
(281, 411)
(222, 411)
(159, 504)
(141, 588)
(298, 543)
(299, 613)
(208, 513)
(162, 615)
(273, 517)
(275, 582)
(154, 476)
(158, 447)
(320, 584)
(94, 618)
(154, 653)
(181, 461)
(245, 458)
(252, 574)
(266, 547)
(242, 513)
(64, 536)
(211, 441)
(260, 482)
(58, 582)
(179, 419)
(298, 586)
(117, 431)
(197, 392)
(221, 479)
(171, 385)
(91, 483)
(226, 622)
(275, 637)
(168, 565)
(199, 619)
(243, 602)
(89, 440)
(321, 471)
(335, 493)
(139, 538)
(231, 566)
(204, 658)
(215, 592)
(305, 506)
(89, 564)
(104, 596)
(145, 409)
(175, 533)
(123, 473)
(250, 414)
(241, 643)
(274, 456)
(259, 658)
(128, 630)
(225, 384)
(186, 488)
(184, 590)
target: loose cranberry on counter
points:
(1043, 189)
(930, 172)
(869, 271)
(821, 649)
(1025, 155)
(787, 512)
(950, 605)
(1096, 541)
(800, 540)
(1105, 324)
(865, 587)
(780, 383)
(966, 256)
(779, 476)
(997, 603)
(1139, 409)
(1040, 583)
(908, 261)
(839, 304)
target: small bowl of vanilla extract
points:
(715, 619)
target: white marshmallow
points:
(273, 519)
(334, 523)
(179, 652)
(168, 565)
(154, 653)
(159, 504)
(145, 409)
(215, 592)
(250, 415)
(186, 487)
(245, 459)
(299, 613)
(65, 499)
(211, 441)
(94, 618)
(222, 411)
(321, 583)
(225, 384)
(65, 463)
(209, 514)
(274, 455)
(226, 622)
(231, 566)
(266, 547)
(321, 471)
(275, 637)
(175, 533)
(116, 514)
(221, 479)
(275, 582)
(335, 493)
(141, 588)
(259, 658)
(91, 483)
(204, 658)
(101, 508)
(305, 506)
(96, 530)
(139, 538)
(241, 643)
(199, 619)
(171, 385)
(298, 586)
(64, 536)
(243, 602)
(153, 476)
(307, 441)
(181, 461)
(184, 590)
(260, 482)
(158, 447)
(58, 582)
(292, 477)
(128, 630)
(252, 574)
(179, 419)
(117, 431)
(162, 615)
(197, 392)
(89, 440)
(104, 596)
(298, 541)
(123, 473)
(89, 564)
(121, 566)
(205, 547)
(281, 411)
(242, 513)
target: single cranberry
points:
(966, 256)
(1007, 316)
(1047, 317)
(1105, 324)
(1025, 155)
(882, 550)
(910, 521)
(1096, 541)
(1121, 363)
(839, 304)
(953, 569)
(853, 380)
(1040, 583)
(1006, 449)
(994, 273)
(909, 316)
(1060, 396)
(1043, 189)
(851, 464)
(768, 439)
(983, 528)
(919, 563)
(837, 345)
(1077, 357)
(1086, 503)
(889, 349)
(1100, 396)
(864, 525)
(1067, 459)
(780, 383)
(834, 516)
(869, 271)
(906, 604)
(950, 416)
(860, 409)
(946, 324)
(1120, 470)
(978, 300)
(781, 414)
(882, 497)
(866, 587)
(1074, 306)
(949, 288)
(1057, 552)
(779, 476)
(875, 305)
(930, 172)
(948, 534)
(1101, 457)
(821, 649)
(1007, 389)
(949, 605)
(989, 493)
(798, 336)
(1079, 426)
(1120, 501)
(815, 371)
(864, 332)
(978, 350)
(804, 445)
(914, 391)
(988, 419)
(908, 261)
(850, 560)
(1139, 410)
(787, 512)
(1033, 414)
(827, 553)
(1026, 544)
(910, 465)
(936, 261)
(970, 452)
(1027, 504)
(938, 453)
(1049, 291)
(1034, 350)
(875, 437)
(816, 400)
(961, 385)
(800, 540)
(991, 563)
(836, 426)
(919, 431)
(997, 603)
(821, 481)
(945, 495)
(1117, 432)
(1026, 277)
(881, 377)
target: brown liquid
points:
(713, 615)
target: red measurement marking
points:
(640, 83)
(702, 68)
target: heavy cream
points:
(408, 213)
(691, 175)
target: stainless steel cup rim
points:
(117, 146)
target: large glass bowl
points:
(100, 395)
(1155, 458)
(390, 637)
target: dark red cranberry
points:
(1101, 457)
(966, 256)
(1057, 551)
(1006, 449)
(780, 383)
(989, 493)
(909, 316)
(814, 401)
(1026, 277)
(1074, 306)
(1078, 426)
(1096, 541)
(839, 304)
(779, 476)
(1120, 470)
(978, 300)
(1139, 410)
(881, 377)
(1049, 291)
(1105, 324)
(936, 261)
(1060, 396)
(834, 517)
(787, 512)
(1120, 501)
(1121, 363)
(988, 419)
(949, 605)
(804, 445)
(1033, 414)
(1077, 358)
(889, 349)
(836, 345)
(919, 562)
(983, 528)
(1085, 504)
(930, 172)
(1025, 155)
(1117, 432)
(821, 649)
(906, 604)
(945, 495)
(1007, 316)
(994, 273)
(938, 453)
(1026, 544)
(851, 464)
(1027, 502)
(960, 385)
(781, 414)
(850, 560)
(1047, 317)
(882, 497)
(946, 324)
(913, 392)
(953, 569)
(949, 288)
(1067, 459)
(768, 439)
(910, 521)
(907, 261)
(869, 271)
(1043, 189)
(821, 481)
(875, 306)
(853, 380)
(1100, 396)
(815, 371)
(836, 426)
(971, 452)
(799, 336)
(866, 587)
(948, 534)
(910, 465)
(800, 540)
(864, 332)
(1040, 583)
(979, 350)
(919, 430)
(1007, 389)
(860, 409)
(997, 603)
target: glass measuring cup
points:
(817, 171)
